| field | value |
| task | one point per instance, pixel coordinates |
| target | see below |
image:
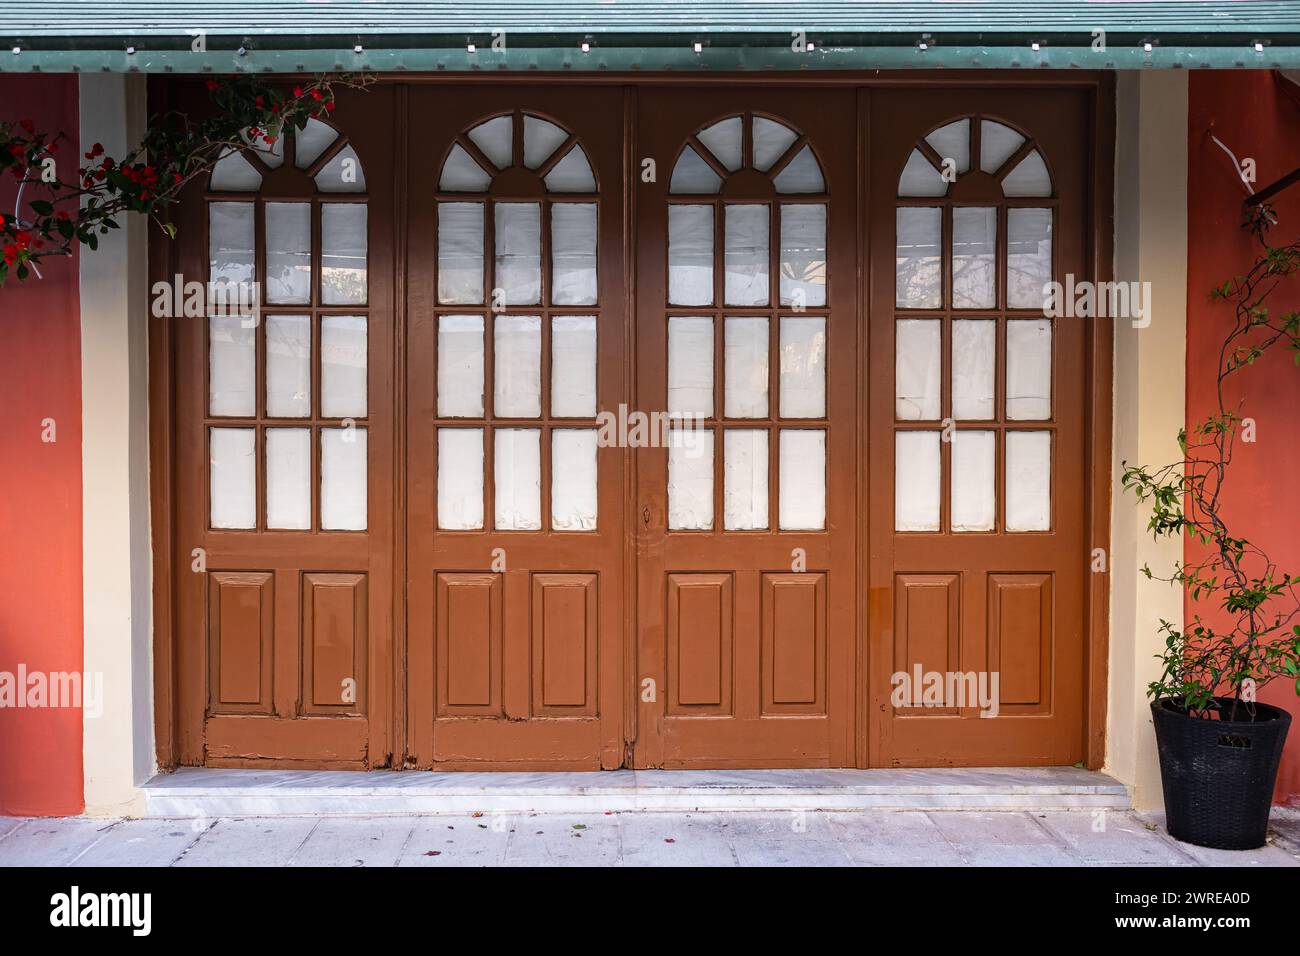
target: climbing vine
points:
(248, 113)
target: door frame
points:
(170, 557)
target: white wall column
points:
(1150, 403)
(117, 582)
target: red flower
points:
(317, 95)
(17, 150)
(11, 254)
(212, 85)
(297, 92)
(52, 149)
(260, 102)
(329, 107)
(61, 215)
(28, 125)
(96, 150)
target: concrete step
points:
(197, 792)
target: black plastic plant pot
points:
(1218, 775)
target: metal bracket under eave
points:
(1273, 189)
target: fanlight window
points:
(974, 253)
(747, 278)
(288, 387)
(516, 336)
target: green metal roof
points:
(389, 35)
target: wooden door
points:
(977, 448)
(746, 338)
(515, 523)
(284, 447)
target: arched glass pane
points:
(920, 178)
(998, 143)
(572, 174)
(311, 141)
(342, 174)
(1029, 178)
(233, 173)
(802, 175)
(272, 155)
(693, 175)
(541, 138)
(953, 142)
(461, 174)
(771, 140)
(723, 140)
(496, 139)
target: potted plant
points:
(1219, 746)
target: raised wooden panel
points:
(565, 628)
(241, 631)
(927, 632)
(469, 634)
(701, 624)
(1020, 640)
(794, 643)
(334, 615)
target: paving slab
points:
(55, 841)
(1115, 837)
(893, 838)
(671, 839)
(458, 840)
(554, 839)
(338, 841)
(1276, 853)
(248, 842)
(143, 843)
(785, 839)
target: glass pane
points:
(974, 247)
(541, 138)
(460, 479)
(288, 366)
(974, 504)
(1029, 369)
(343, 479)
(747, 254)
(920, 178)
(1029, 257)
(518, 479)
(801, 175)
(460, 367)
(1029, 481)
(573, 253)
(691, 174)
(803, 367)
(342, 174)
(460, 253)
(919, 261)
(573, 479)
(517, 385)
(974, 357)
(998, 143)
(233, 477)
(230, 242)
(518, 254)
(311, 141)
(722, 139)
(572, 174)
(233, 173)
(690, 366)
(802, 479)
(343, 366)
(745, 377)
(690, 255)
(916, 481)
(918, 369)
(288, 252)
(232, 366)
(1029, 178)
(573, 366)
(803, 255)
(690, 479)
(343, 247)
(288, 478)
(461, 173)
(744, 479)
(771, 140)
(953, 142)
(496, 139)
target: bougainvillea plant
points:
(248, 113)
(1259, 639)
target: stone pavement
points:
(635, 838)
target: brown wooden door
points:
(977, 431)
(746, 338)
(515, 523)
(283, 449)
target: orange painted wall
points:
(1248, 112)
(40, 489)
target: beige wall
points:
(116, 561)
(1150, 381)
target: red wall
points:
(40, 488)
(1254, 118)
